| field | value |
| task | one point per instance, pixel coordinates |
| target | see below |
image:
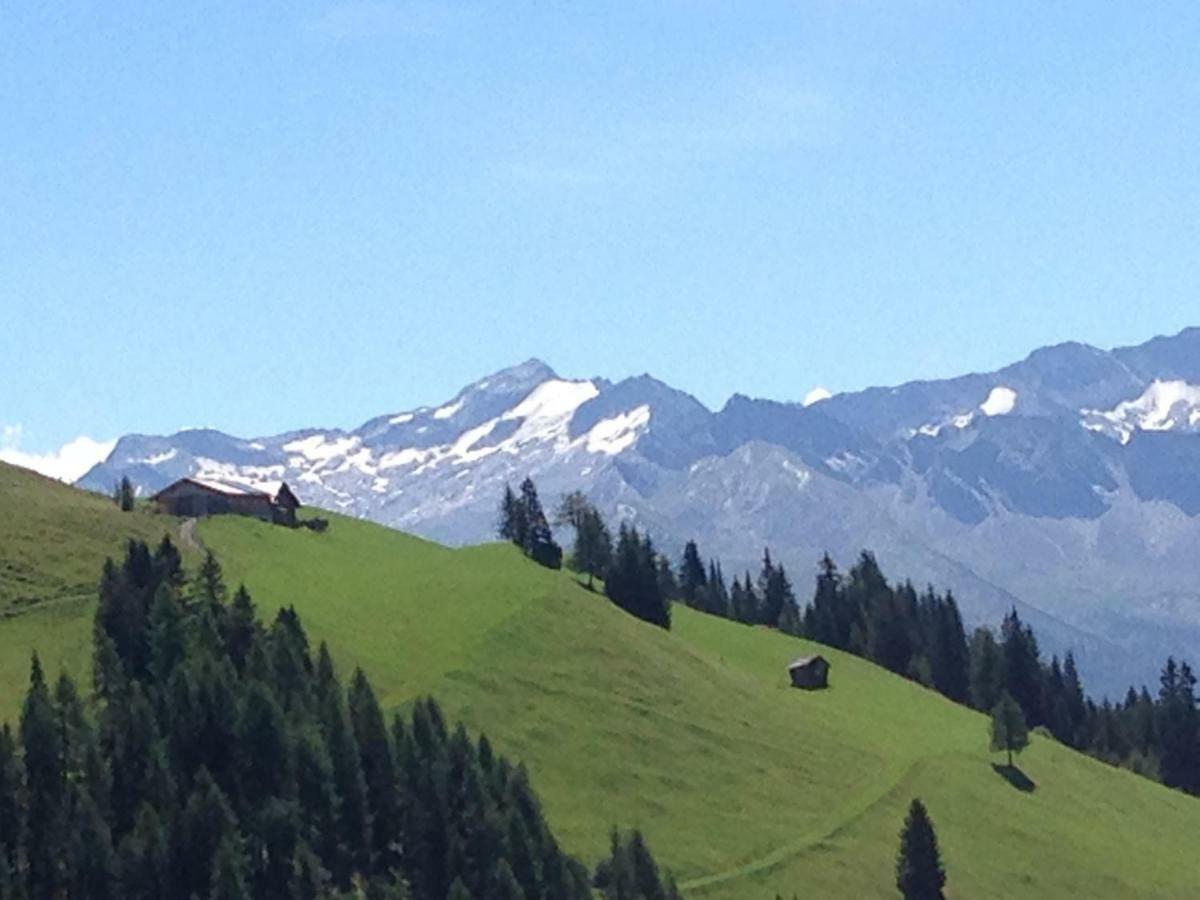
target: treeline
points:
(918, 635)
(921, 637)
(636, 577)
(221, 759)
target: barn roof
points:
(801, 661)
(268, 490)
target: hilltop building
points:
(198, 497)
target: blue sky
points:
(262, 216)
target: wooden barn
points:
(809, 672)
(198, 497)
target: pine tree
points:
(538, 542)
(1076, 702)
(592, 552)
(125, 495)
(919, 871)
(354, 828)
(45, 787)
(242, 628)
(11, 788)
(822, 617)
(668, 585)
(987, 670)
(692, 577)
(632, 582)
(90, 861)
(207, 829)
(504, 884)
(716, 600)
(1022, 669)
(166, 634)
(1009, 731)
(266, 760)
(514, 522)
(1178, 727)
(380, 777)
(144, 859)
(229, 872)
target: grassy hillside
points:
(744, 786)
(53, 540)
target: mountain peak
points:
(532, 371)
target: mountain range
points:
(1066, 485)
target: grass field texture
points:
(744, 786)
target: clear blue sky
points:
(262, 216)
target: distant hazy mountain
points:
(1067, 484)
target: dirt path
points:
(881, 788)
(187, 536)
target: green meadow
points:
(745, 787)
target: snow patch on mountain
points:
(448, 411)
(613, 436)
(157, 459)
(216, 470)
(816, 395)
(933, 429)
(803, 476)
(401, 419)
(319, 448)
(1000, 402)
(1163, 406)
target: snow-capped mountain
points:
(1164, 406)
(1067, 484)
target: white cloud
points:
(69, 463)
(816, 395)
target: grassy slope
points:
(53, 540)
(744, 786)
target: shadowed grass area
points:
(744, 786)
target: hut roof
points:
(801, 661)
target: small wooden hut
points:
(809, 672)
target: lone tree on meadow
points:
(1009, 731)
(124, 495)
(919, 872)
(592, 553)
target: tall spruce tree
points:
(632, 582)
(45, 788)
(987, 670)
(919, 871)
(692, 578)
(539, 542)
(378, 760)
(125, 494)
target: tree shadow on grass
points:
(1015, 777)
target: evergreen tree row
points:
(1155, 735)
(222, 759)
(523, 522)
(916, 635)
(921, 636)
